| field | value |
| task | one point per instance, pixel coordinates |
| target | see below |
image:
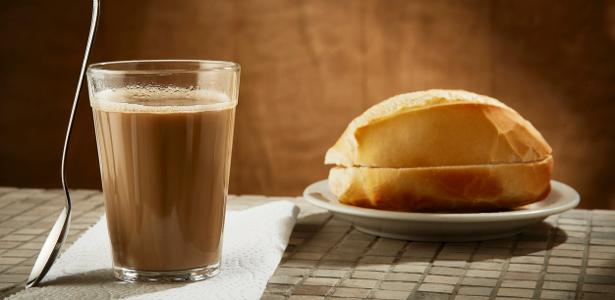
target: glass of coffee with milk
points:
(164, 132)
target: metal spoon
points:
(59, 231)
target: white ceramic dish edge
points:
(449, 227)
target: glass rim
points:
(203, 66)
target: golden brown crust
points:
(438, 128)
(443, 189)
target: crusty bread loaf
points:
(440, 150)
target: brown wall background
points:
(309, 67)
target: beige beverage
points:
(164, 159)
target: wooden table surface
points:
(571, 257)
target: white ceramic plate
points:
(451, 227)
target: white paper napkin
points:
(254, 241)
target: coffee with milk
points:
(164, 157)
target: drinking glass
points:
(164, 131)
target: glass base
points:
(126, 274)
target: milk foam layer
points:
(160, 100)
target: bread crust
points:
(438, 128)
(443, 189)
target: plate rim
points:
(560, 206)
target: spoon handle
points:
(73, 112)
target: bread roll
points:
(440, 150)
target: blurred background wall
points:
(309, 67)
